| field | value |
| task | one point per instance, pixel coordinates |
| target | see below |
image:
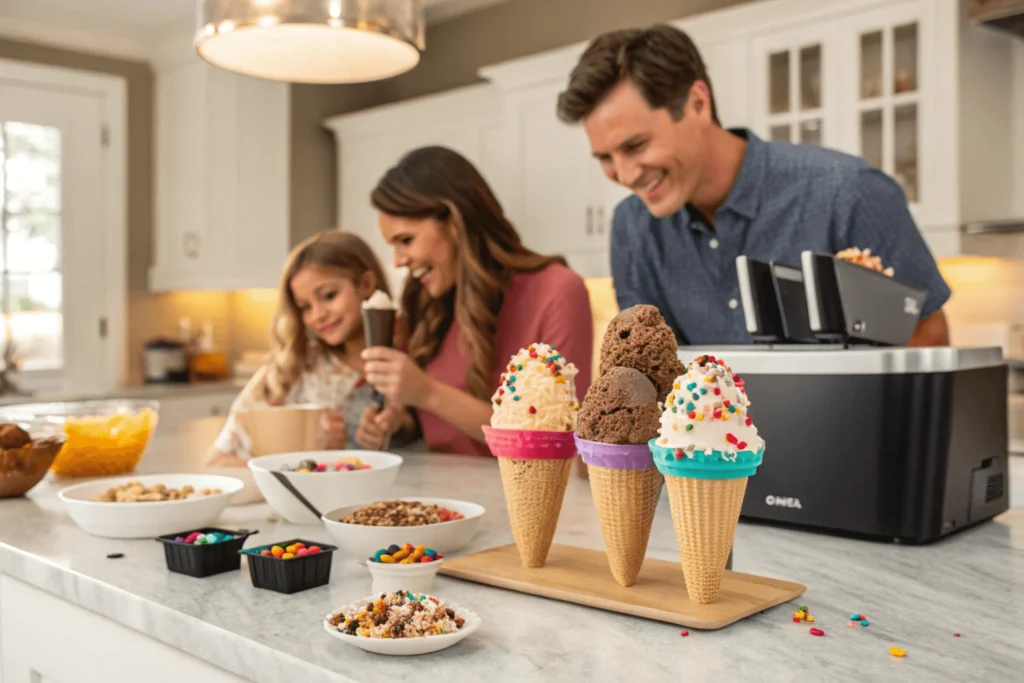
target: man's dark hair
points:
(661, 61)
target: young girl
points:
(318, 338)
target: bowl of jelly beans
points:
(404, 567)
(204, 552)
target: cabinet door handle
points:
(190, 245)
(600, 220)
(590, 221)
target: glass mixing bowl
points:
(104, 438)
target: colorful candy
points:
(803, 614)
(297, 549)
(197, 538)
(897, 651)
(405, 554)
(343, 465)
(817, 632)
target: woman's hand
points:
(333, 431)
(376, 427)
(396, 377)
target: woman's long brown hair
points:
(439, 183)
(292, 351)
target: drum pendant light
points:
(312, 41)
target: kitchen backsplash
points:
(987, 302)
(241, 320)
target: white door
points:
(52, 195)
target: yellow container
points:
(104, 438)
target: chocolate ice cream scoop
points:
(621, 407)
(639, 338)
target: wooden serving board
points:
(582, 576)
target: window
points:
(31, 288)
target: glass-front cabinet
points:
(888, 102)
(863, 84)
(793, 97)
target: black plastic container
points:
(294, 574)
(204, 560)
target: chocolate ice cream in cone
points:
(707, 448)
(379, 319)
(617, 419)
(531, 434)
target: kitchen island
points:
(68, 614)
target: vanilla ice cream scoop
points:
(379, 300)
(537, 391)
(708, 411)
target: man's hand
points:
(931, 331)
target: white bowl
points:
(362, 541)
(407, 646)
(415, 578)
(148, 520)
(325, 490)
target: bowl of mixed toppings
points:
(326, 479)
(441, 524)
(148, 506)
(401, 623)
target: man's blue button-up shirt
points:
(786, 199)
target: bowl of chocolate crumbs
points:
(444, 524)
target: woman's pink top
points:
(551, 306)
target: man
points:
(704, 195)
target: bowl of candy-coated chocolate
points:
(404, 567)
(347, 477)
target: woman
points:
(318, 340)
(474, 297)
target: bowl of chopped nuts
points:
(148, 506)
(443, 524)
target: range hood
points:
(998, 239)
(1005, 15)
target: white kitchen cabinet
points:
(552, 186)
(370, 143)
(222, 179)
(912, 87)
(49, 640)
(794, 95)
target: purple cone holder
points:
(615, 456)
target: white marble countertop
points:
(916, 598)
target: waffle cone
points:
(705, 513)
(626, 501)
(533, 492)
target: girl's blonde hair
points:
(293, 350)
(439, 183)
